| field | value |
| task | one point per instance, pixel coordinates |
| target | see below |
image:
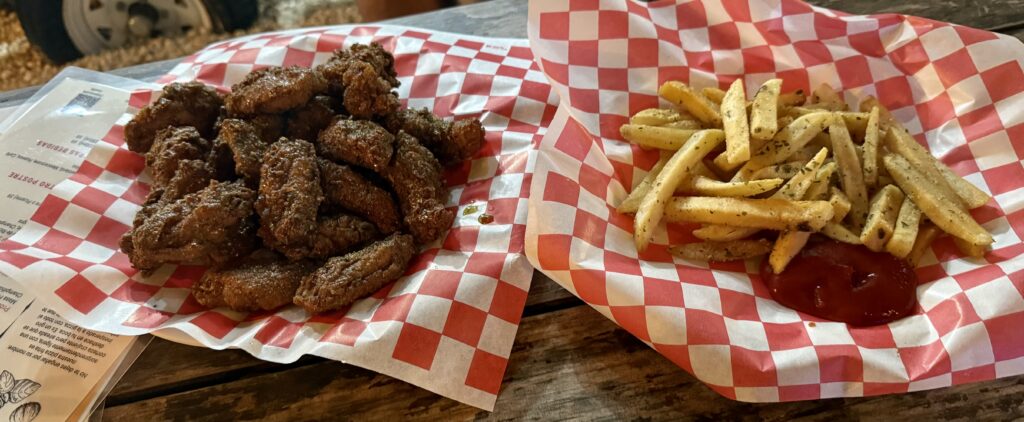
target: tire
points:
(44, 25)
(231, 15)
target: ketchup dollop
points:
(846, 283)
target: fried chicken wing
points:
(338, 234)
(246, 147)
(182, 104)
(346, 188)
(270, 127)
(307, 122)
(211, 227)
(289, 196)
(359, 142)
(263, 280)
(344, 279)
(171, 146)
(450, 142)
(415, 175)
(274, 90)
(363, 77)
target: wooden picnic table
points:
(568, 361)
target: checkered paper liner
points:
(447, 325)
(959, 90)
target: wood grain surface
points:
(568, 361)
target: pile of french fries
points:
(795, 165)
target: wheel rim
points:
(94, 25)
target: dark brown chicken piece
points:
(363, 77)
(340, 233)
(274, 90)
(261, 281)
(271, 127)
(181, 104)
(212, 227)
(171, 146)
(344, 279)
(289, 196)
(359, 142)
(415, 175)
(307, 122)
(451, 142)
(192, 176)
(246, 147)
(344, 187)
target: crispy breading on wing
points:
(346, 188)
(263, 280)
(211, 227)
(289, 196)
(170, 146)
(415, 175)
(178, 162)
(307, 121)
(181, 104)
(246, 147)
(270, 127)
(359, 142)
(450, 142)
(340, 233)
(345, 279)
(274, 90)
(363, 77)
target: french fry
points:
(822, 183)
(821, 140)
(655, 117)
(764, 111)
(694, 102)
(713, 94)
(782, 122)
(703, 186)
(734, 121)
(699, 169)
(793, 190)
(851, 177)
(775, 214)
(940, 208)
(973, 251)
(900, 142)
(790, 139)
(903, 236)
(720, 233)
(925, 236)
(722, 251)
(655, 136)
(792, 98)
(855, 121)
(723, 163)
(786, 247)
(869, 151)
(881, 221)
(839, 232)
(840, 204)
(652, 207)
(970, 194)
(632, 202)
(885, 179)
(825, 95)
(779, 171)
(684, 124)
(885, 118)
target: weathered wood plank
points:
(565, 364)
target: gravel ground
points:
(21, 64)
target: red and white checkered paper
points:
(447, 325)
(960, 91)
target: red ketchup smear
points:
(846, 283)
